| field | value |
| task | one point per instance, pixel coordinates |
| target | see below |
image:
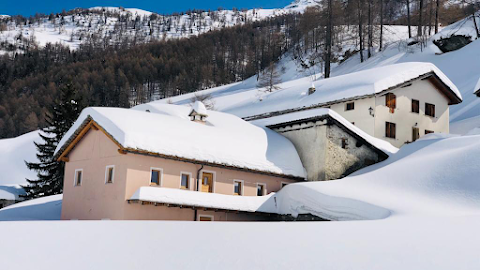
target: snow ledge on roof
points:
(203, 199)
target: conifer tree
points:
(60, 118)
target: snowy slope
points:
(434, 176)
(114, 24)
(46, 208)
(13, 153)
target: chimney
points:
(198, 113)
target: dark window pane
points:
(155, 179)
(185, 180)
(260, 190)
(415, 106)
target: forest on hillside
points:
(125, 75)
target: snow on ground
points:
(434, 176)
(46, 208)
(13, 153)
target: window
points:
(205, 218)
(415, 106)
(155, 177)
(428, 132)
(430, 109)
(185, 181)
(415, 134)
(109, 174)
(390, 130)
(284, 184)
(344, 143)
(350, 106)
(78, 177)
(260, 189)
(391, 102)
(238, 187)
(207, 182)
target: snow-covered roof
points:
(380, 144)
(203, 199)
(224, 140)
(11, 192)
(199, 108)
(346, 87)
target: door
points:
(207, 182)
(415, 134)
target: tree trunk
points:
(360, 28)
(328, 39)
(420, 22)
(381, 25)
(475, 21)
(437, 3)
(408, 20)
(370, 32)
(430, 14)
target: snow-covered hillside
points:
(13, 154)
(115, 25)
(461, 66)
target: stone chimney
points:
(198, 113)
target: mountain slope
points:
(134, 26)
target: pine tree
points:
(60, 118)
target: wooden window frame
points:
(432, 106)
(75, 180)
(387, 130)
(418, 106)
(348, 103)
(207, 216)
(264, 188)
(391, 102)
(241, 187)
(160, 180)
(189, 180)
(213, 182)
(106, 174)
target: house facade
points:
(398, 103)
(102, 174)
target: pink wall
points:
(96, 200)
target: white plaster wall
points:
(309, 140)
(405, 119)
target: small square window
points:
(260, 189)
(344, 143)
(350, 106)
(205, 218)
(109, 174)
(155, 177)
(428, 132)
(78, 177)
(237, 187)
(185, 181)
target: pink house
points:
(170, 162)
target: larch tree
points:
(50, 172)
(269, 79)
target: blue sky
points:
(30, 7)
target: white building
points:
(397, 103)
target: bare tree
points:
(408, 20)
(269, 79)
(420, 21)
(328, 39)
(206, 99)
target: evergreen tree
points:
(60, 118)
